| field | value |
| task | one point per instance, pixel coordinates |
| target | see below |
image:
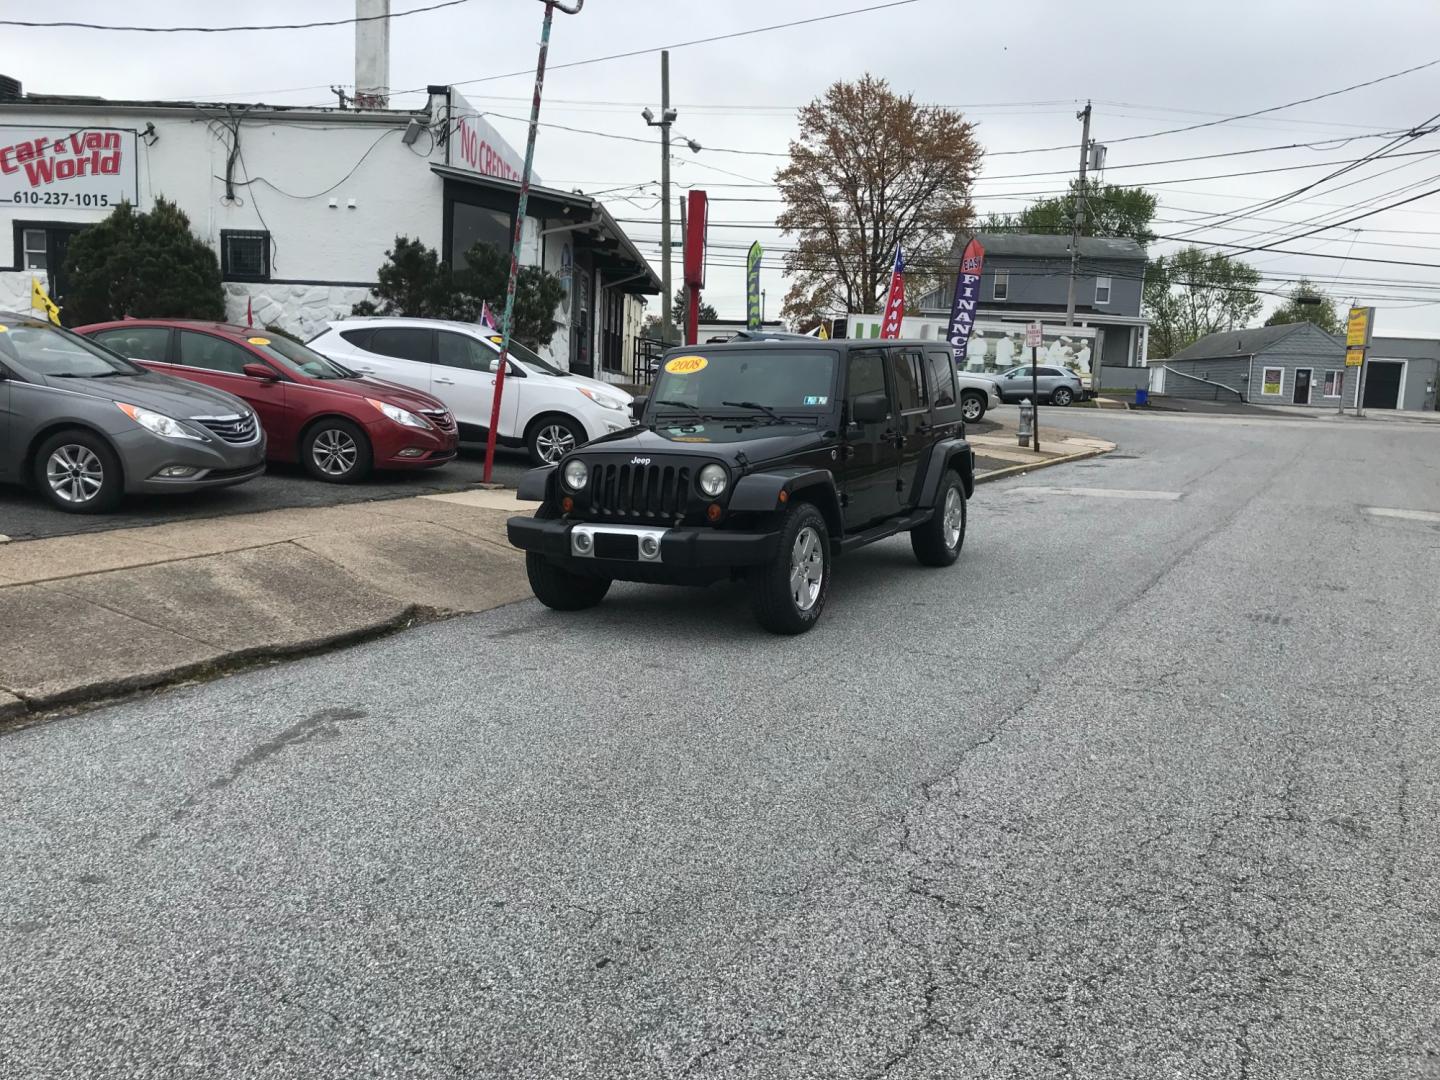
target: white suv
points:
(546, 409)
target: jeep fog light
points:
(650, 546)
(583, 542)
(713, 480)
(575, 475)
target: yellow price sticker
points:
(4, 329)
(686, 365)
(258, 340)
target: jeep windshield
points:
(768, 383)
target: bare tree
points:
(869, 171)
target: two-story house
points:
(1026, 278)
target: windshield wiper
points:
(681, 405)
(91, 374)
(771, 413)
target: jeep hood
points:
(711, 438)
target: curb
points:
(25, 712)
(1015, 470)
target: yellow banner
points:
(1357, 327)
(1354, 357)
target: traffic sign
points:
(1034, 335)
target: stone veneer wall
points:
(303, 310)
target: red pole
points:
(692, 317)
(508, 319)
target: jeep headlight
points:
(713, 479)
(575, 475)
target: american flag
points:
(895, 302)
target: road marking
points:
(1406, 515)
(1100, 493)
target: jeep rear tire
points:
(972, 406)
(560, 590)
(939, 540)
(788, 593)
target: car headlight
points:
(713, 479)
(399, 415)
(576, 474)
(158, 423)
(605, 401)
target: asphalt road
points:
(1143, 787)
(25, 516)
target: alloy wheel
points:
(334, 452)
(807, 568)
(954, 516)
(75, 473)
(1062, 396)
(971, 409)
(553, 442)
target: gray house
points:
(1026, 278)
(1402, 373)
(1291, 364)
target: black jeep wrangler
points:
(758, 460)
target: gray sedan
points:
(84, 426)
(1057, 386)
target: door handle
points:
(446, 382)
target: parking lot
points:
(24, 515)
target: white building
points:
(301, 204)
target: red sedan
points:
(337, 424)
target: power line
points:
(227, 29)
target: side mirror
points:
(870, 409)
(637, 407)
(263, 372)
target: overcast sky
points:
(1018, 69)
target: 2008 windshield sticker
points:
(816, 399)
(258, 340)
(686, 365)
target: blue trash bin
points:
(1142, 397)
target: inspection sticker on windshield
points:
(686, 365)
(816, 399)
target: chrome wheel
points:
(972, 408)
(553, 442)
(807, 568)
(954, 517)
(334, 452)
(75, 473)
(1062, 396)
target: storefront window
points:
(1273, 380)
(473, 225)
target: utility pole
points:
(667, 117)
(1083, 114)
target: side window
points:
(359, 338)
(1051, 372)
(865, 375)
(1001, 285)
(942, 376)
(213, 353)
(1018, 373)
(402, 342)
(459, 351)
(907, 368)
(137, 343)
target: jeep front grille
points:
(639, 491)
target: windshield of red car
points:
(44, 349)
(292, 356)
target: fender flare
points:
(535, 485)
(947, 454)
(759, 492)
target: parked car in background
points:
(978, 394)
(84, 426)
(336, 424)
(545, 409)
(1056, 386)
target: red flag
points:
(895, 302)
(249, 313)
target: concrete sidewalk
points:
(95, 615)
(100, 614)
(999, 453)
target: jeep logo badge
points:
(640, 461)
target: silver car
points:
(84, 426)
(1057, 386)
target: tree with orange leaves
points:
(872, 169)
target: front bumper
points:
(681, 549)
(217, 463)
(398, 447)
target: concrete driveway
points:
(1146, 786)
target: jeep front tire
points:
(788, 593)
(560, 590)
